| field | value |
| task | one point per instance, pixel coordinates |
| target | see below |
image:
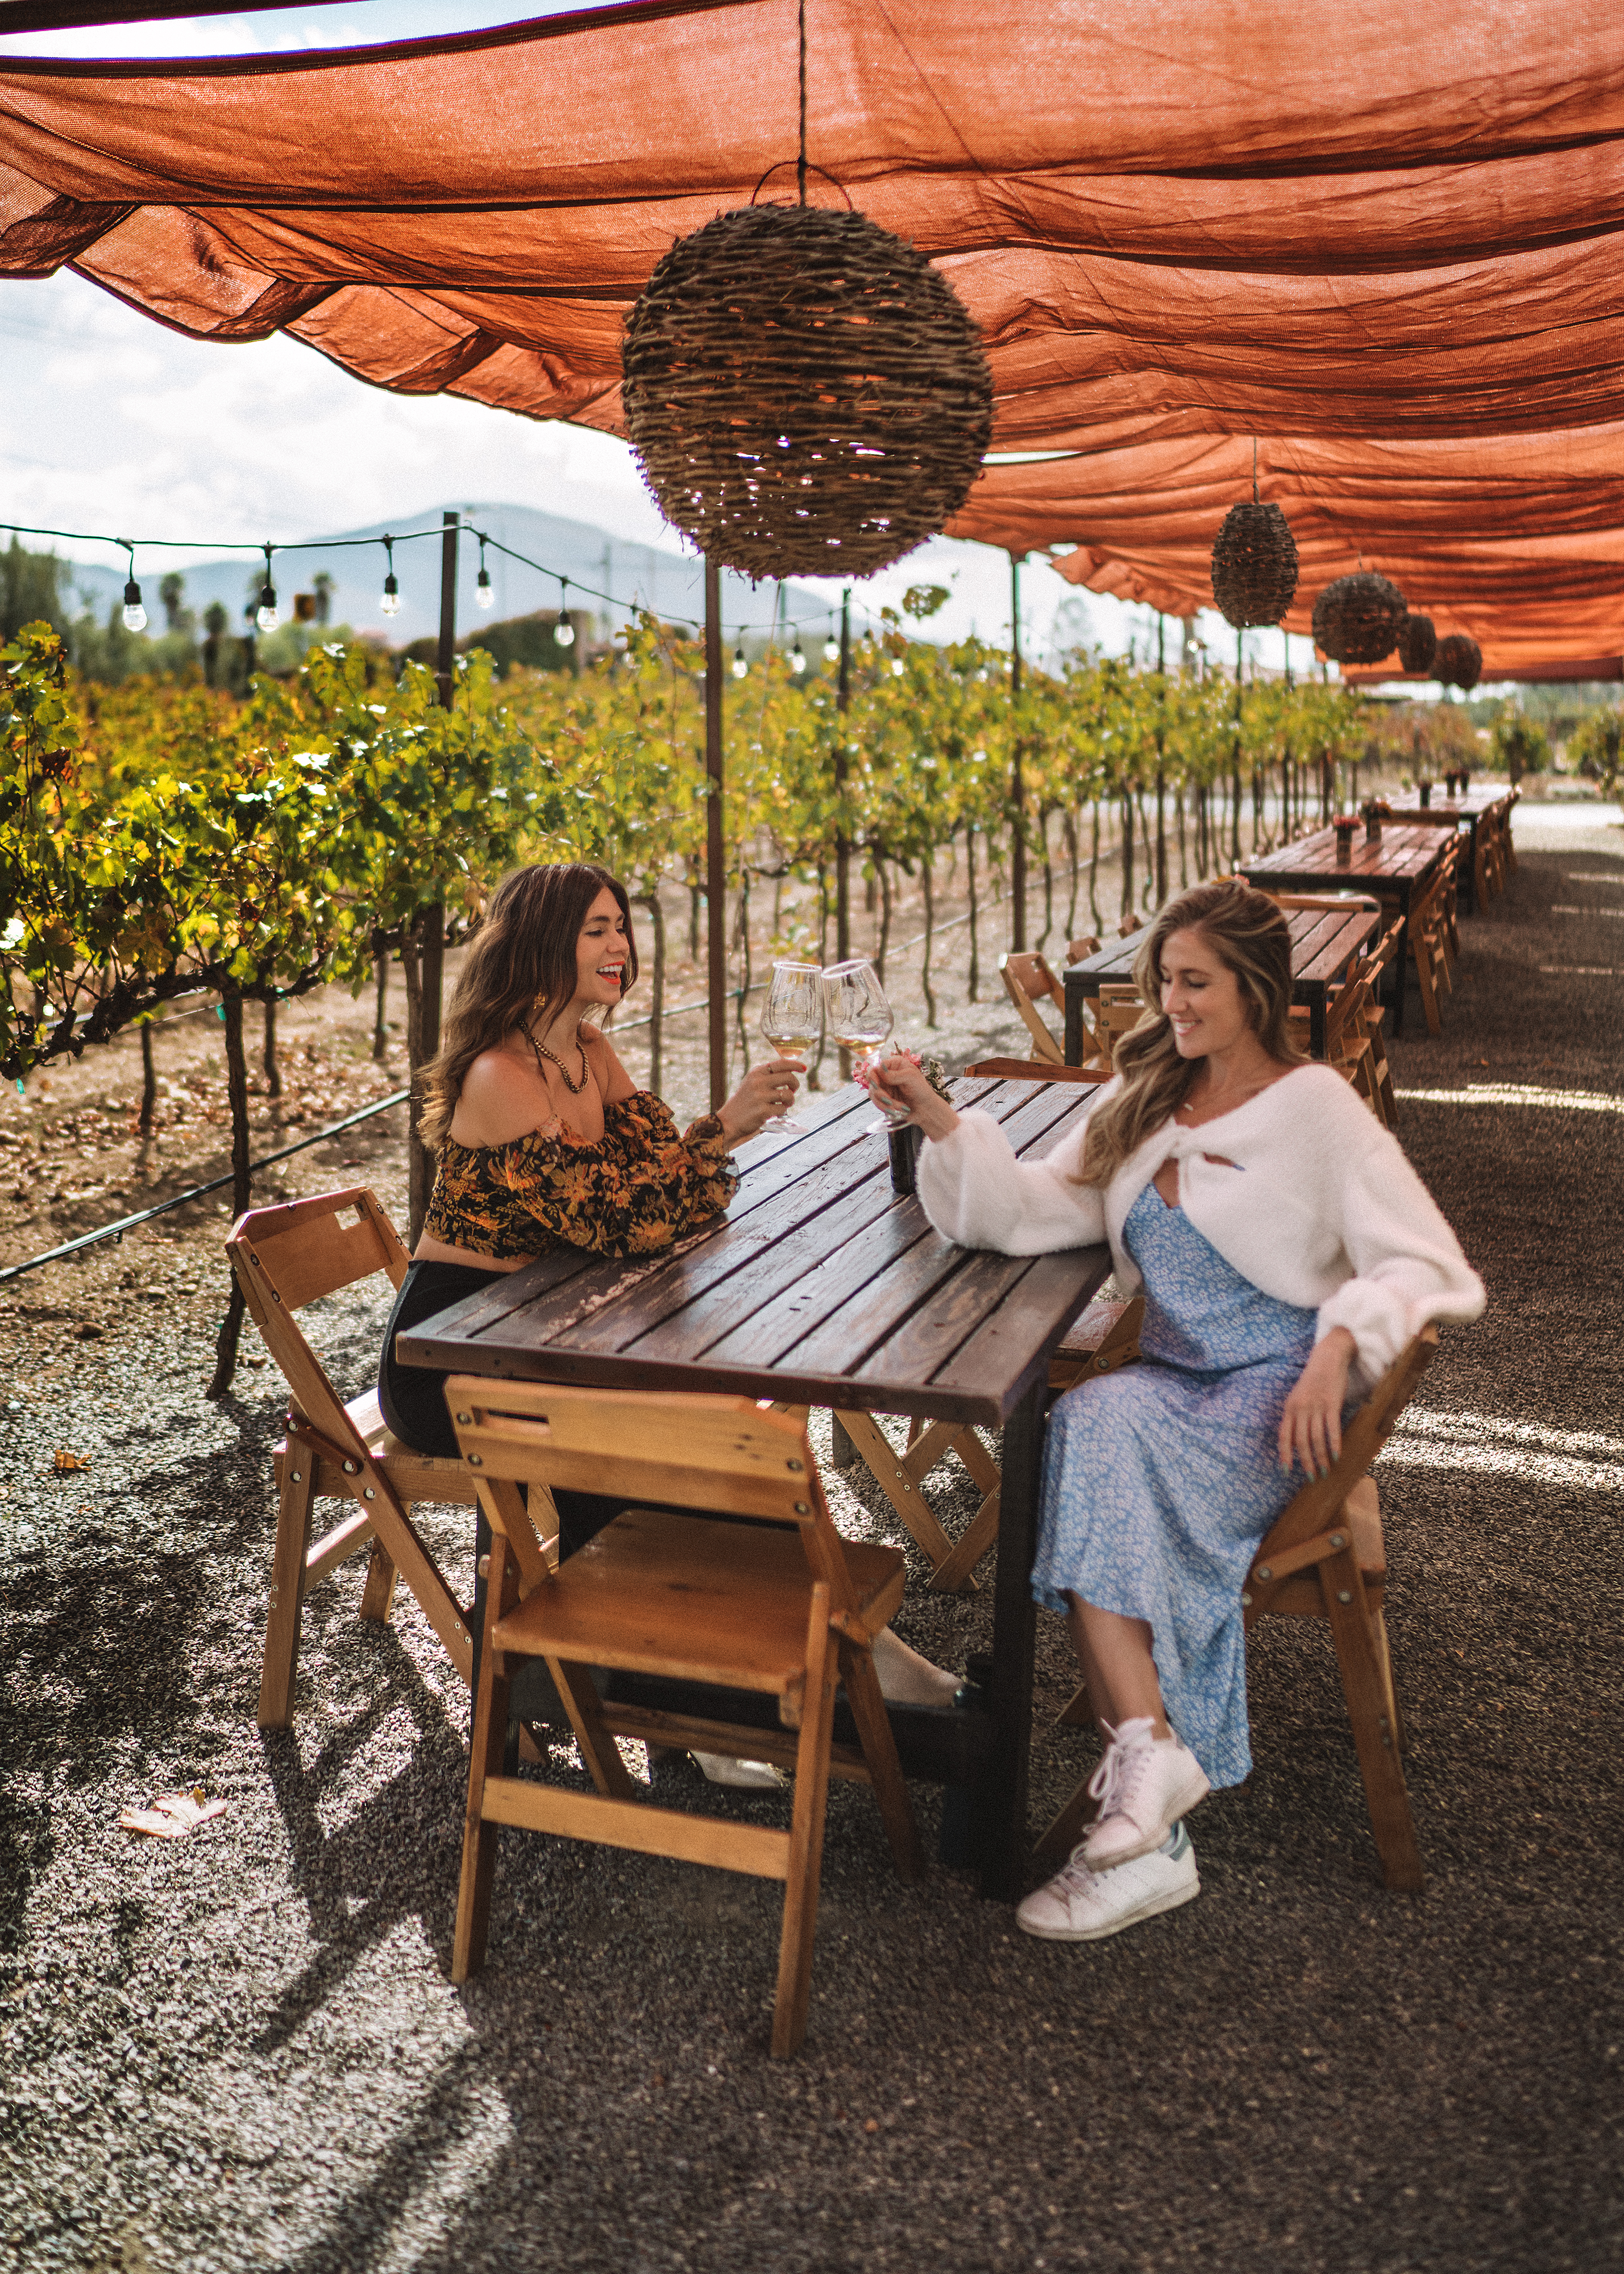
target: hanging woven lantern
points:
(1458, 661)
(806, 394)
(1357, 619)
(1417, 643)
(1254, 564)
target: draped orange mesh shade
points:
(1393, 259)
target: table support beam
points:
(998, 1839)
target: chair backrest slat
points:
(287, 1257)
(728, 1456)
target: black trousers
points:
(413, 1397)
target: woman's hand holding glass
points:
(897, 1082)
(1311, 1427)
(765, 1090)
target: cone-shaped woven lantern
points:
(1458, 662)
(1418, 643)
(1254, 564)
(1357, 619)
(805, 392)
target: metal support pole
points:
(1162, 857)
(843, 843)
(1018, 813)
(430, 924)
(716, 859)
(1235, 813)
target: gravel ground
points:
(241, 2049)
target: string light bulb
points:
(797, 657)
(484, 594)
(564, 631)
(831, 650)
(267, 618)
(897, 666)
(135, 615)
(740, 666)
(391, 601)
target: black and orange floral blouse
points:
(638, 1189)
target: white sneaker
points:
(1079, 1905)
(1144, 1785)
(743, 1776)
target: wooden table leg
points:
(1315, 1020)
(1400, 969)
(998, 1841)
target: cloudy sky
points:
(112, 423)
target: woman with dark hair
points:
(1287, 1250)
(544, 1140)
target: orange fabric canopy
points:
(1392, 259)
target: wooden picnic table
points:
(822, 1287)
(1323, 944)
(1396, 870)
(1478, 812)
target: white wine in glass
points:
(792, 1019)
(860, 1018)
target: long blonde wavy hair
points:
(1249, 934)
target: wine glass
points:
(792, 1019)
(860, 1020)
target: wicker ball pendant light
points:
(1254, 563)
(1458, 661)
(1357, 619)
(1417, 643)
(805, 392)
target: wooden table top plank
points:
(691, 1321)
(712, 1261)
(1036, 1311)
(1314, 932)
(724, 1275)
(1343, 937)
(787, 1321)
(923, 1343)
(1405, 851)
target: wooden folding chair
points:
(1028, 980)
(1079, 950)
(1429, 949)
(1117, 1010)
(285, 1258)
(779, 1605)
(1325, 1558)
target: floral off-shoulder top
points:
(638, 1189)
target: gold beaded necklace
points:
(541, 1052)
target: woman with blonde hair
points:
(543, 1141)
(1287, 1252)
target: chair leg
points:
(1373, 1734)
(1077, 1712)
(1384, 1660)
(600, 1756)
(805, 1834)
(1050, 1852)
(485, 1759)
(378, 1594)
(286, 1593)
(873, 1734)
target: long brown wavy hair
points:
(1249, 934)
(522, 960)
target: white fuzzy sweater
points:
(1320, 1209)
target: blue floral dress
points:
(1160, 1481)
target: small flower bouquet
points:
(933, 1070)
